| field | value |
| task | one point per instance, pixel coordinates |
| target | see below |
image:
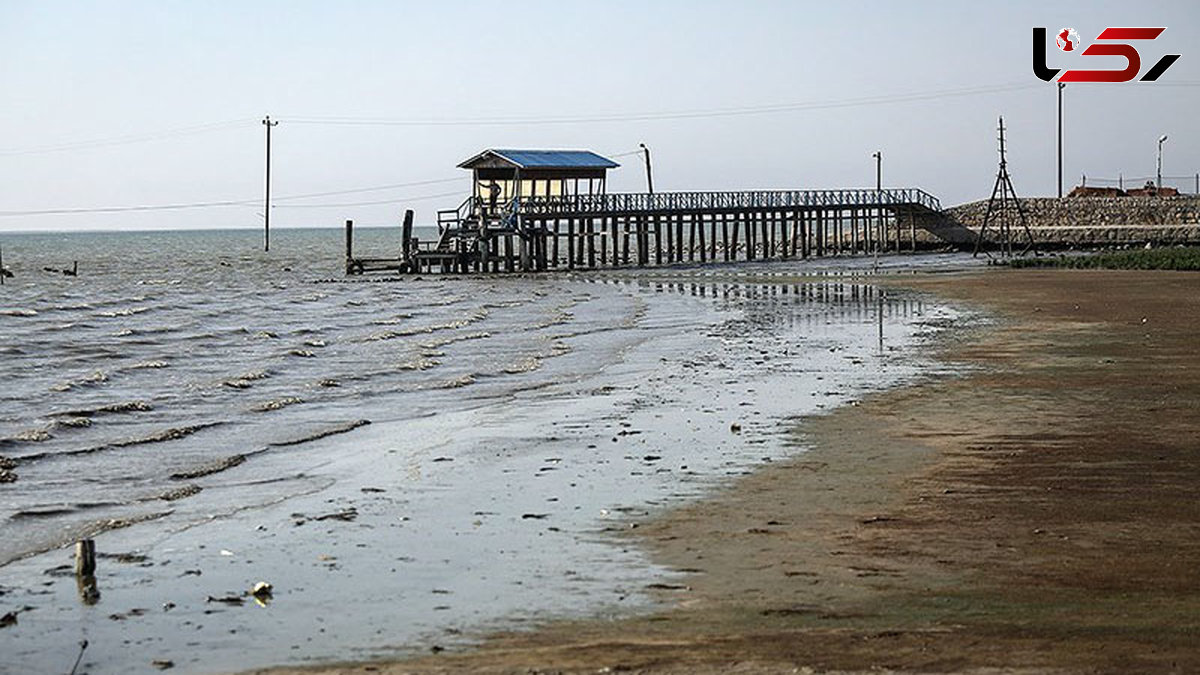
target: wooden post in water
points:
(748, 218)
(658, 240)
(725, 237)
(406, 236)
(897, 218)
(554, 244)
(733, 238)
(785, 244)
(678, 237)
(85, 571)
(349, 247)
(591, 243)
(85, 557)
(614, 230)
(625, 230)
(691, 237)
(804, 222)
(698, 224)
(768, 235)
(712, 237)
(570, 243)
(603, 241)
(670, 240)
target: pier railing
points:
(645, 202)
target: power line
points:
(371, 189)
(126, 140)
(669, 115)
(122, 209)
(370, 203)
(244, 202)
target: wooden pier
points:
(537, 217)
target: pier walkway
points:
(643, 229)
(534, 210)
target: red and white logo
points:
(1068, 40)
(1113, 41)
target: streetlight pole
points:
(878, 170)
(1161, 139)
(1061, 86)
(649, 176)
(267, 198)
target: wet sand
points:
(1035, 515)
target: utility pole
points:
(267, 199)
(649, 175)
(1060, 89)
(878, 170)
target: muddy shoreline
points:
(1035, 515)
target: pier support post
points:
(658, 250)
(554, 244)
(591, 243)
(725, 250)
(614, 230)
(896, 218)
(349, 247)
(751, 239)
(570, 243)
(406, 236)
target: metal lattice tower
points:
(1004, 207)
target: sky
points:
(159, 103)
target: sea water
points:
(409, 462)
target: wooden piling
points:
(591, 243)
(349, 247)
(614, 230)
(570, 243)
(603, 241)
(625, 240)
(643, 242)
(85, 557)
(751, 240)
(695, 237)
(406, 235)
(658, 251)
(768, 235)
(725, 250)
(712, 237)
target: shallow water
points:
(220, 401)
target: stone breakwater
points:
(1084, 221)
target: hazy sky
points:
(116, 104)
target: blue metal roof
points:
(549, 159)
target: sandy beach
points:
(1034, 515)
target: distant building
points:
(1148, 190)
(1084, 191)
